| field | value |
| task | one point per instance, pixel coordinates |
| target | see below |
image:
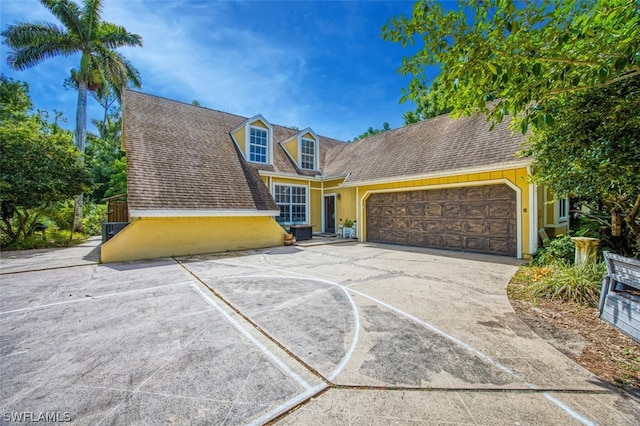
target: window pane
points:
(307, 154)
(258, 145)
(292, 201)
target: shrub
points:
(559, 250)
(54, 238)
(93, 217)
(61, 213)
(580, 284)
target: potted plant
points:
(347, 229)
(289, 239)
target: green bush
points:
(580, 284)
(93, 217)
(559, 250)
(53, 238)
(61, 213)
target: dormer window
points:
(308, 154)
(254, 139)
(258, 145)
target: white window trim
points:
(247, 137)
(306, 201)
(316, 144)
(248, 144)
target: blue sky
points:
(317, 64)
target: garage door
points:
(477, 219)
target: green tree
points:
(371, 131)
(520, 53)
(83, 31)
(593, 150)
(118, 178)
(102, 153)
(39, 163)
(431, 103)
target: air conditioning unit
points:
(109, 229)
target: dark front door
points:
(330, 214)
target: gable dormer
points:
(254, 138)
(304, 149)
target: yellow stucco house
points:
(202, 181)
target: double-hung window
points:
(292, 201)
(562, 209)
(258, 145)
(308, 154)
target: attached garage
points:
(480, 219)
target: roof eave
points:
(483, 169)
(138, 213)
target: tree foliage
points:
(371, 131)
(593, 150)
(431, 103)
(82, 32)
(39, 163)
(521, 53)
(102, 154)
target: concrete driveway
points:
(333, 334)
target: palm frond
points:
(33, 43)
(24, 34)
(114, 36)
(118, 71)
(91, 17)
(68, 13)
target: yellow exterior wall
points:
(519, 177)
(239, 136)
(292, 148)
(345, 206)
(148, 238)
(259, 123)
(315, 207)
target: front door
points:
(330, 214)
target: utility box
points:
(109, 229)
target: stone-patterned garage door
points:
(476, 219)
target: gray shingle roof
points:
(436, 145)
(182, 157)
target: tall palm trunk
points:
(81, 137)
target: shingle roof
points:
(181, 156)
(436, 145)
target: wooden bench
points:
(620, 295)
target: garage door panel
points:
(476, 193)
(453, 226)
(435, 240)
(479, 219)
(434, 209)
(453, 242)
(477, 209)
(452, 210)
(455, 194)
(476, 244)
(499, 246)
(402, 197)
(499, 211)
(435, 195)
(417, 196)
(432, 226)
(499, 191)
(476, 227)
(498, 227)
(415, 209)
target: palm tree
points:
(83, 32)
